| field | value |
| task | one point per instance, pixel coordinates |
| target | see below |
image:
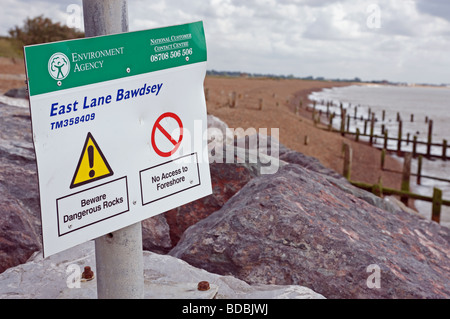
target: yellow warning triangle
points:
(92, 165)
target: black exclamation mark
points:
(90, 151)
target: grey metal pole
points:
(119, 264)
(119, 259)
(102, 17)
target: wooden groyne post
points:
(444, 150)
(429, 137)
(385, 139)
(372, 127)
(419, 170)
(437, 204)
(383, 158)
(348, 153)
(348, 123)
(260, 104)
(306, 140)
(414, 150)
(399, 141)
(330, 125)
(406, 176)
(343, 118)
(233, 103)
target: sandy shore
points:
(12, 74)
(279, 100)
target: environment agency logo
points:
(59, 66)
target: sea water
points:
(432, 103)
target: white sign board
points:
(118, 126)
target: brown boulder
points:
(226, 179)
(19, 195)
(297, 227)
(155, 234)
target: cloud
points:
(437, 8)
(302, 37)
(14, 12)
(333, 22)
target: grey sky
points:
(400, 40)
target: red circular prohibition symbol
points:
(158, 126)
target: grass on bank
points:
(10, 48)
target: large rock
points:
(296, 227)
(164, 277)
(21, 93)
(156, 234)
(226, 179)
(237, 163)
(308, 162)
(218, 131)
(19, 195)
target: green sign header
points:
(73, 63)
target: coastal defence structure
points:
(333, 117)
(403, 147)
(369, 122)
